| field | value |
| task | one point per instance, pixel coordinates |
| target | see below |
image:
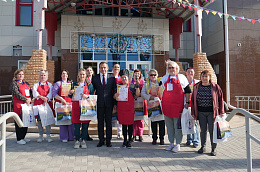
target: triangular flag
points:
(253, 21)
(189, 4)
(174, 2)
(239, 18)
(234, 17)
(249, 20)
(179, 4)
(189, 7)
(220, 15)
(183, 5)
(184, 2)
(243, 18)
(212, 0)
(214, 12)
(201, 9)
(195, 8)
(207, 12)
(227, 16)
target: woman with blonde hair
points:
(80, 135)
(176, 85)
(21, 94)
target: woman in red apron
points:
(80, 136)
(176, 85)
(66, 131)
(138, 127)
(21, 94)
(42, 92)
(116, 69)
(125, 109)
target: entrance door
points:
(94, 65)
(144, 67)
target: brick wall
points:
(51, 71)
(36, 63)
(201, 63)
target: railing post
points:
(248, 145)
(3, 135)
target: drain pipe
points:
(226, 53)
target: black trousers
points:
(129, 130)
(20, 132)
(104, 114)
(161, 129)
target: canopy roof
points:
(146, 8)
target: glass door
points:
(144, 67)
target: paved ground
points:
(57, 156)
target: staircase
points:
(56, 130)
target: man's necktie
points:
(104, 81)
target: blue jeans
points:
(194, 138)
(84, 131)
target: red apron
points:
(66, 98)
(126, 110)
(17, 102)
(43, 90)
(173, 101)
(76, 108)
(141, 84)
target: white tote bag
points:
(215, 137)
(187, 122)
(46, 115)
(28, 116)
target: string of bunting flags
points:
(185, 3)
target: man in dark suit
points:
(105, 86)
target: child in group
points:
(80, 136)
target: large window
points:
(116, 49)
(24, 13)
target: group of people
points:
(179, 91)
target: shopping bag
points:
(223, 130)
(215, 129)
(88, 108)
(28, 116)
(187, 122)
(63, 113)
(154, 107)
(179, 122)
(46, 115)
(139, 107)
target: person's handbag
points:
(154, 107)
(46, 115)
(88, 108)
(218, 119)
(223, 130)
(63, 113)
(28, 116)
(187, 122)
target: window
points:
(21, 63)
(187, 26)
(24, 13)
(17, 50)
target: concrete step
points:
(55, 129)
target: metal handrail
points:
(3, 134)
(248, 131)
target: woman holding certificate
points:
(79, 91)
(60, 92)
(42, 92)
(150, 92)
(176, 85)
(125, 105)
